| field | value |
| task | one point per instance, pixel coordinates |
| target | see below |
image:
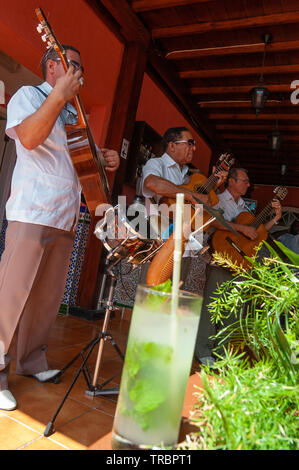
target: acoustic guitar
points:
(200, 184)
(82, 148)
(237, 247)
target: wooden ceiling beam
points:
(260, 137)
(294, 127)
(147, 5)
(262, 145)
(239, 72)
(159, 66)
(240, 104)
(220, 90)
(245, 117)
(131, 28)
(226, 25)
(231, 50)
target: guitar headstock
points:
(280, 192)
(48, 35)
(225, 161)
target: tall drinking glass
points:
(156, 369)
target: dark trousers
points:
(215, 276)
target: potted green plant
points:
(251, 402)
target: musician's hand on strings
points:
(248, 231)
(277, 207)
(221, 175)
(111, 159)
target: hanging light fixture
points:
(275, 138)
(283, 168)
(260, 93)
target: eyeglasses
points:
(243, 180)
(74, 63)
(190, 142)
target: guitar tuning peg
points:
(39, 28)
(49, 45)
(44, 37)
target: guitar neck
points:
(210, 182)
(208, 185)
(262, 217)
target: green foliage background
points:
(251, 402)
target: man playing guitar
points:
(164, 177)
(42, 214)
(231, 202)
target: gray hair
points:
(233, 173)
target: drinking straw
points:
(177, 254)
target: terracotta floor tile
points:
(37, 407)
(83, 419)
(44, 443)
(85, 429)
(78, 392)
(14, 434)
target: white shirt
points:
(164, 167)
(230, 207)
(45, 188)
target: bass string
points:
(262, 216)
(209, 183)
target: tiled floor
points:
(83, 420)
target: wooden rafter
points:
(294, 127)
(226, 25)
(237, 72)
(232, 50)
(259, 137)
(251, 116)
(146, 5)
(238, 89)
(231, 103)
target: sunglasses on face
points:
(190, 142)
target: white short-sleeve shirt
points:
(45, 188)
(164, 167)
(230, 207)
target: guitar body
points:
(248, 247)
(161, 267)
(84, 158)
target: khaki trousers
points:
(33, 273)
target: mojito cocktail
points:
(156, 369)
